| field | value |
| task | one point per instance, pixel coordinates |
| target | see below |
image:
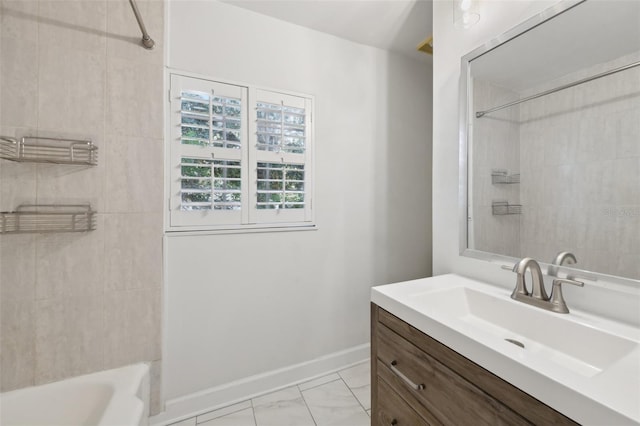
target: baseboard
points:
(220, 396)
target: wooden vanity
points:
(418, 381)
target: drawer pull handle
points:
(403, 377)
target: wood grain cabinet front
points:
(419, 381)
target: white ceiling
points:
(397, 25)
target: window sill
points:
(246, 229)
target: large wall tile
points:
(71, 90)
(73, 25)
(132, 332)
(134, 177)
(17, 266)
(19, 20)
(156, 403)
(124, 35)
(73, 184)
(70, 263)
(17, 358)
(17, 180)
(68, 336)
(18, 82)
(134, 98)
(133, 251)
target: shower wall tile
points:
(133, 332)
(73, 25)
(134, 174)
(156, 403)
(71, 91)
(68, 338)
(495, 146)
(17, 311)
(70, 263)
(133, 251)
(19, 20)
(18, 82)
(17, 266)
(627, 179)
(73, 184)
(17, 180)
(590, 168)
(124, 39)
(17, 358)
(79, 303)
(139, 87)
(627, 145)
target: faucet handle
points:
(567, 281)
(557, 300)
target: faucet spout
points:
(564, 257)
(537, 290)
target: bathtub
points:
(113, 397)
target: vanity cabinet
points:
(419, 381)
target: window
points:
(240, 156)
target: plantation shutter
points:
(208, 152)
(281, 158)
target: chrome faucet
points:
(538, 296)
(563, 257)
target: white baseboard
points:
(240, 390)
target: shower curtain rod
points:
(481, 114)
(147, 42)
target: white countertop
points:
(610, 396)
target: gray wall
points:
(78, 303)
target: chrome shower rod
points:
(147, 41)
(481, 114)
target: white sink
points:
(585, 366)
(573, 345)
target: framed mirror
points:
(550, 142)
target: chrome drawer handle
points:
(403, 377)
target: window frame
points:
(249, 218)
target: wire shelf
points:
(502, 177)
(38, 149)
(501, 208)
(48, 218)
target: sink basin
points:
(585, 366)
(574, 346)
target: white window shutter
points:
(240, 157)
(281, 165)
(208, 152)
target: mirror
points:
(550, 142)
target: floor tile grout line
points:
(253, 411)
(354, 395)
(321, 384)
(306, 404)
(222, 408)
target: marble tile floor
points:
(337, 399)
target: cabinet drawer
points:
(393, 410)
(446, 395)
(493, 386)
